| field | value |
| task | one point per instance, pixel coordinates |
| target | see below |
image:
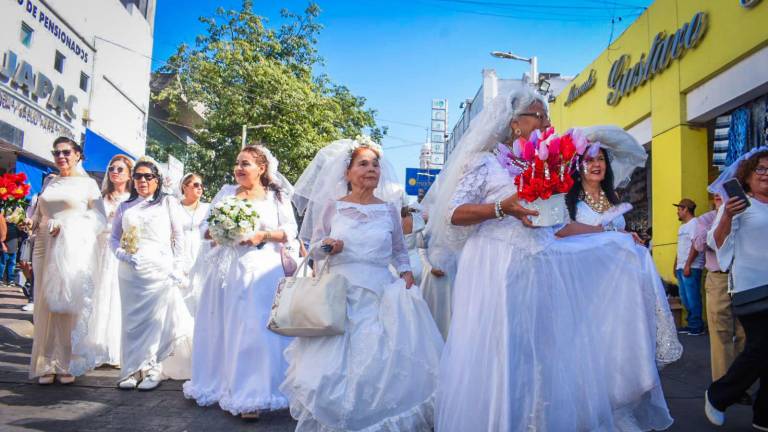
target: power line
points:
(506, 5)
(565, 17)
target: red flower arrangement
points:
(14, 190)
(542, 165)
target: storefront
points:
(688, 79)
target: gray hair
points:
(519, 101)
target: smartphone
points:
(327, 248)
(733, 189)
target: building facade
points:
(689, 80)
(76, 68)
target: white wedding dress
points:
(437, 291)
(236, 361)
(547, 334)
(157, 327)
(381, 374)
(105, 327)
(668, 347)
(193, 221)
(63, 275)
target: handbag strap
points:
(305, 262)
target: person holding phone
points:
(739, 237)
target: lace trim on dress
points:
(235, 407)
(418, 418)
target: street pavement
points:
(94, 404)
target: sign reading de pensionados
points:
(625, 77)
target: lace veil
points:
(624, 152)
(325, 181)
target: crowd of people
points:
(461, 314)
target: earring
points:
(518, 132)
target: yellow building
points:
(679, 67)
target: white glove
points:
(179, 277)
(124, 256)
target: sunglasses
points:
(116, 169)
(145, 176)
(57, 153)
(538, 115)
(195, 185)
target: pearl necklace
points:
(599, 205)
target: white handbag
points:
(310, 306)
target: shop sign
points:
(577, 91)
(32, 115)
(37, 86)
(57, 31)
(625, 77)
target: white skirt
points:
(381, 374)
(564, 339)
(157, 327)
(237, 362)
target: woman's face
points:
(118, 172)
(248, 171)
(758, 183)
(535, 117)
(145, 181)
(65, 156)
(193, 188)
(594, 168)
(365, 171)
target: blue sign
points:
(419, 180)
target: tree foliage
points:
(246, 73)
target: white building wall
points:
(20, 107)
(120, 86)
(109, 42)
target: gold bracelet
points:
(267, 235)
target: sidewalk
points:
(93, 403)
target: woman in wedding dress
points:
(542, 336)
(104, 329)
(195, 212)
(148, 240)
(594, 201)
(236, 361)
(380, 375)
(67, 219)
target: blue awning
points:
(35, 172)
(98, 152)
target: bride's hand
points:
(408, 278)
(256, 240)
(336, 245)
(511, 206)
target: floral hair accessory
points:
(147, 159)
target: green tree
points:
(246, 73)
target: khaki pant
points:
(726, 336)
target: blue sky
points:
(401, 54)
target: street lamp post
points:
(245, 131)
(533, 61)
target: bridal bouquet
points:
(129, 241)
(541, 167)
(232, 220)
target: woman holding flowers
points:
(237, 362)
(67, 219)
(148, 240)
(547, 333)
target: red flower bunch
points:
(14, 190)
(546, 164)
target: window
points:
(58, 62)
(26, 34)
(84, 79)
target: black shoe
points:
(760, 426)
(684, 330)
(697, 332)
(746, 400)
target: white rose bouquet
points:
(232, 220)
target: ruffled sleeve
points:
(321, 229)
(400, 260)
(287, 222)
(472, 186)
